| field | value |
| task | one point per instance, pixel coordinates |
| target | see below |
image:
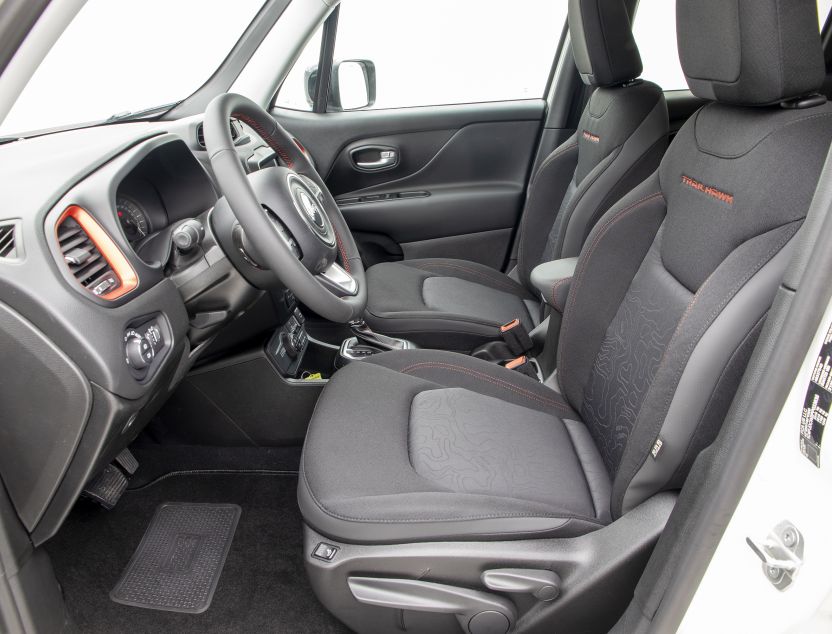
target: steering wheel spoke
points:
(284, 234)
(338, 281)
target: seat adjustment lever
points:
(477, 612)
(544, 585)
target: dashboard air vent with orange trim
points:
(92, 257)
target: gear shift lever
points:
(367, 337)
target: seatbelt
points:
(516, 337)
(523, 365)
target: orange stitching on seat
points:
(484, 377)
(555, 288)
(708, 190)
(549, 159)
(474, 272)
(583, 265)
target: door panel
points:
(456, 189)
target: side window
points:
(434, 52)
(654, 28)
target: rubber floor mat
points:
(179, 560)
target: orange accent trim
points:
(713, 192)
(120, 265)
(510, 325)
(516, 363)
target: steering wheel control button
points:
(325, 552)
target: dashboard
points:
(121, 270)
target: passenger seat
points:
(621, 138)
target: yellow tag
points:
(312, 377)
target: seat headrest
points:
(603, 45)
(750, 53)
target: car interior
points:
(430, 369)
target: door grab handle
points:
(388, 158)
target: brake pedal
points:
(107, 487)
(127, 461)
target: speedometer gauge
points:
(132, 218)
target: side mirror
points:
(352, 85)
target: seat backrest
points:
(673, 284)
(619, 142)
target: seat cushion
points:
(443, 303)
(439, 446)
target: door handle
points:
(373, 158)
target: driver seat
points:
(439, 490)
(458, 305)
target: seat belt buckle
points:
(523, 366)
(516, 337)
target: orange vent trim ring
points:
(120, 265)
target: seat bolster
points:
(597, 479)
(519, 524)
(448, 369)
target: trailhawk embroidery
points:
(593, 138)
(713, 192)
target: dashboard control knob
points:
(188, 235)
(137, 350)
(289, 345)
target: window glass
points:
(655, 32)
(293, 92)
(119, 56)
(433, 52)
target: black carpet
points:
(263, 586)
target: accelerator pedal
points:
(127, 461)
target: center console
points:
(296, 356)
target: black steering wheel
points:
(287, 213)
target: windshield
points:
(119, 56)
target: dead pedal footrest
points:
(107, 487)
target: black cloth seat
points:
(466, 302)
(457, 446)
(458, 305)
(668, 299)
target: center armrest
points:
(552, 280)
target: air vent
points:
(10, 246)
(200, 133)
(91, 256)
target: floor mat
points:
(263, 585)
(179, 560)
